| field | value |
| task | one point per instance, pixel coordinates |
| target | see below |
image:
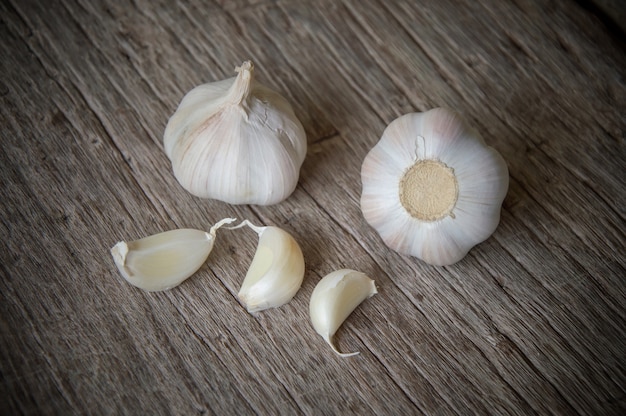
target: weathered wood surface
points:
(532, 321)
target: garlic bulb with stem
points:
(432, 188)
(333, 300)
(276, 271)
(236, 141)
(163, 261)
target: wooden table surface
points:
(532, 321)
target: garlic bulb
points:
(432, 188)
(333, 300)
(276, 271)
(163, 261)
(236, 141)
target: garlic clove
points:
(236, 141)
(276, 271)
(333, 300)
(432, 188)
(163, 261)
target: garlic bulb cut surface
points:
(163, 261)
(276, 271)
(236, 141)
(333, 300)
(432, 188)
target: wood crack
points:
(571, 258)
(333, 135)
(445, 74)
(396, 378)
(494, 327)
(202, 339)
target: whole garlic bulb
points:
(236, 141)
(432, 188)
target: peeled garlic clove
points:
(276, 271)
(432, 188)
(163, 261)
(236, 141)
(333, 300)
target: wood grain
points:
(532, 321)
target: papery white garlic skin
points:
(333, 300)
(276, 272)
(163, 261)
(236, 141)
(432, 188)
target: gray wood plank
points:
(531, 322)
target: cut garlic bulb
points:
(333, 300)
(276, 271)
(432, 188)
(163, 261)
(236, 141)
